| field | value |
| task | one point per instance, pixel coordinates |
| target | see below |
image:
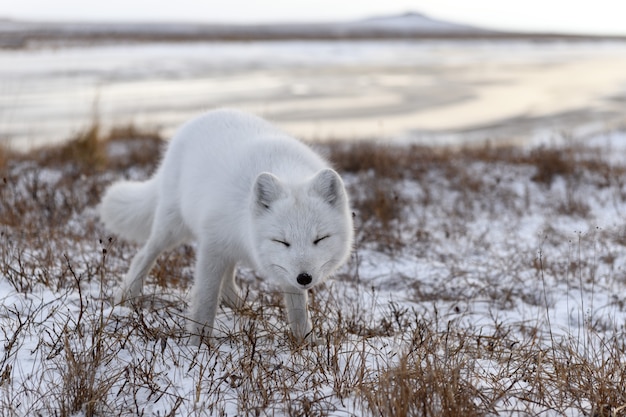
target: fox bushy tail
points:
(127, 209)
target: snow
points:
(511, 265)
(440, 92)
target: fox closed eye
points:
(287, 244)
(318, 240)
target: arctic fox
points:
(247, 193)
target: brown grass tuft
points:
(551, 163)
(131, 147)
(94, 150)
(379, 215)
(381, 161)
(4, 156)
(85, 152)
(426, 382)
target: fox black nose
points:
(304, 279)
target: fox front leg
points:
(298, 315)
(211, 267)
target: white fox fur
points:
(248, 193)
(129, 209)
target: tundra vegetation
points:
(484, 281)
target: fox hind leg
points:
(231, 294)
(167, 231)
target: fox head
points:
(302, 232)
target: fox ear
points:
(267, 189)
(328, 185)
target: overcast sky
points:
(578, 16)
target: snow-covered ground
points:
(483, 282)
(431, 92)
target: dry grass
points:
(4, 156)
(420, 323)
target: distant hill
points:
(18, 34)
(412, 23)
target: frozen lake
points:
(428, 91)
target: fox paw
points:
(119, 298)
(123, 296)
(310, 340)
